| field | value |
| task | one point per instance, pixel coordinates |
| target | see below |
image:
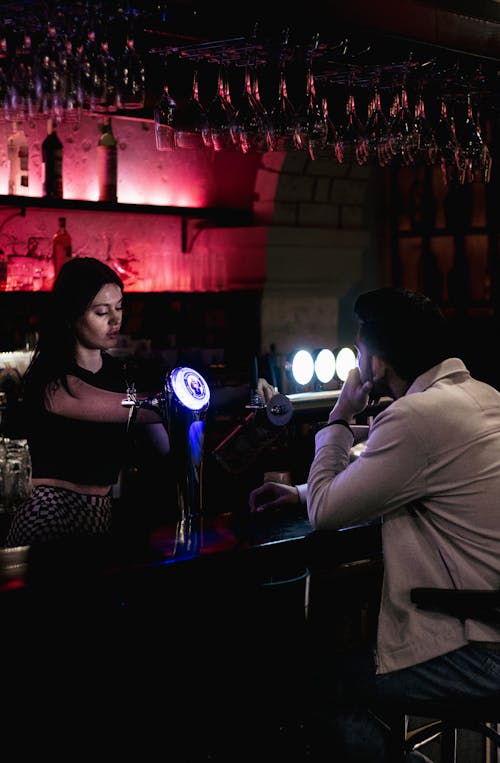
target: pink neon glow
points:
(146, 249)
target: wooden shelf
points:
(224, 216)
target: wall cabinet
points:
(445, 243)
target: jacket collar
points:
(448, 368)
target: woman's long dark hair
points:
(78, 282)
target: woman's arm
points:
(88, 403)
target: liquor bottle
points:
(61, 246)
(107, 163)
(3, 270)
(52, 158)
(18, 156)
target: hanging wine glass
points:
(164, 125)
(404, 139)
(354, 133)
(312, 129)
(131, 87)
(283, 119)
(333, 137)
(264, 116)
(446, 142)
(427, 147)
(71, 84)
(84, 76)
(190, 121)
(283, 115)
(248, 130)
(220, 115)
(23, 99)
(51, 101)
(473, 154)
(105, 80)
(377, 130)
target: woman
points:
(76, 423)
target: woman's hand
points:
(273, 495)
(265, 390)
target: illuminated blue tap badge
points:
(190, 389)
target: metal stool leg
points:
(449, 744)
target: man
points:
(431, 472)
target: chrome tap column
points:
(182, 405)
(187, 400)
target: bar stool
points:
(445, 718)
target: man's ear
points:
(378, 369)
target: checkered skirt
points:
(52, 513)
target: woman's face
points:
(99, 326)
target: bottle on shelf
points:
(61, 246)
(3, 270)
(52, 158)
(18, 156)
(107, 163)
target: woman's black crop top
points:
(84, 452)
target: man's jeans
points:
(347, 713)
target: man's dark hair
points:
(405, 328)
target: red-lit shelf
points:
(221, 215)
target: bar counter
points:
(195, 639)
(237, 554)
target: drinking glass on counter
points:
(15, 472)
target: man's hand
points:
(354, 397)
(273, 495)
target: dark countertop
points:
(233, 554)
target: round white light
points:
(302, 367)
(346, 359)
(190, 388)
(324, 366)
